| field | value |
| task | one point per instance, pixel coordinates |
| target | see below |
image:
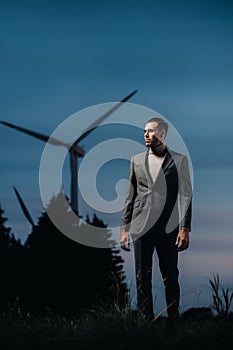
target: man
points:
(157, 215)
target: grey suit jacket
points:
(164, 205)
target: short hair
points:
(162, 125)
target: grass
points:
(222, 297)
(114, 328)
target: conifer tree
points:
(10, 262)
(65, 276)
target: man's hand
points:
(182, 240)
(124, 240)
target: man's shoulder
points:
(176, 155)
(139, 156)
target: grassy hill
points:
(115, 329)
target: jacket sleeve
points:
(185, 193)
(129, 200)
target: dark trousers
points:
(168, 261)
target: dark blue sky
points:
(58, 57)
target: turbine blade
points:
(37, 135)
(23, 207)
(104, 116)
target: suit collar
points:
(167, 161)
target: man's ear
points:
(163, 134)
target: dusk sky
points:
(59, 57)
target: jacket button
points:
(149, 204)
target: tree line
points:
(51, 273)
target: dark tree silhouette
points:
(5, 238)
(65, 276)
(11, 251)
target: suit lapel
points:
(146, 167)
(144, 163)
(167, 161)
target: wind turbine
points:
(75, 150)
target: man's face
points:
(152, 135)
